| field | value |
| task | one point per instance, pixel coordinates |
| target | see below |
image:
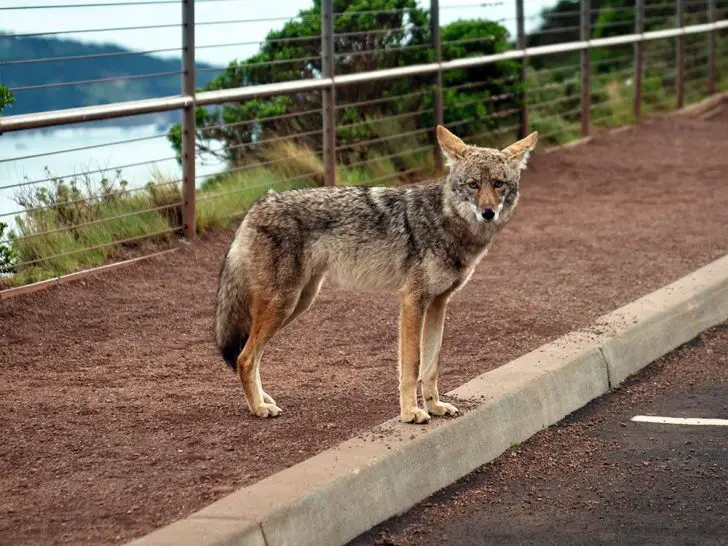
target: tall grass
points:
(77, 223)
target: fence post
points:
(438, 105)
(713, 39)
(585, 35)
(521, 44)
(189, 227)
(680, 55)
(639, 54)
(328, 95)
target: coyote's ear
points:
(452, 147)
(518, 152)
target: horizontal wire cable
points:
(382, 100)
(275, 139)
(262, 42)
(89, 56)
(386, 118)
(95, 247)
(100, 80)
(553, 15)
(267, 163)
(384, 139)
(377, 31)
(85, 173)
(81, 148)
(95, 5)
(88, 30)
(493, 132)
(383, 50)
(470, 40)
(88, 198)
(390, 156)
(393, 175)
(261, 120)
(257, 186)
(257, 20)
(261, 63)
(91, 223)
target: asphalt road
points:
(599, 477)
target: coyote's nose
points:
(488, 214)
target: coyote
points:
(422, 241)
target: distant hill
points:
(73, 70)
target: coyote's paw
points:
(268, 399)
(267, 410)
(415, 415)
(442, 408)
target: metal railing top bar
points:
(258, 91)
(61, 117)
(92, 113)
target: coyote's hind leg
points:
(267, 319)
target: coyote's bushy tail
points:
(232, 319)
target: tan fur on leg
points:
(430, 366)
(411, 319)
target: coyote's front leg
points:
(430, 366)
(410, 332)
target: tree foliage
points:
(370, 35)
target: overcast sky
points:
(59, 19)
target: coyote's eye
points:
(497, 183)
(473, 184)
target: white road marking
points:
(679, 420)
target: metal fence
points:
(461, 82)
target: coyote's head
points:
(483, 182)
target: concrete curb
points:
(336, 495)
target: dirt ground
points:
(118, 416)
(597, 477)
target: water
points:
(21, 157)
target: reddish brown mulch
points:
(118, 416)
